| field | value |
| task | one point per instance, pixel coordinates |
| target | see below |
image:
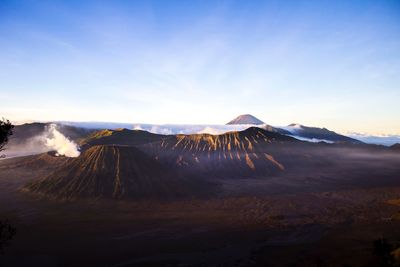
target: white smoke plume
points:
(54, 140)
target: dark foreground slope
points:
(114, 172)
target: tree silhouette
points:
(385, 252)
(5, 131)
(7, 231)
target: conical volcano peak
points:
(111, 171)
(245, 119)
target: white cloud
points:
(54, 140)
(382, 139)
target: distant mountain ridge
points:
(245, 119)
(313, 134)
(316, 133)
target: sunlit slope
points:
(121, 137)
(250, 152)
(113, 172)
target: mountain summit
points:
(245, 119)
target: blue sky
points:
(321, 63)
